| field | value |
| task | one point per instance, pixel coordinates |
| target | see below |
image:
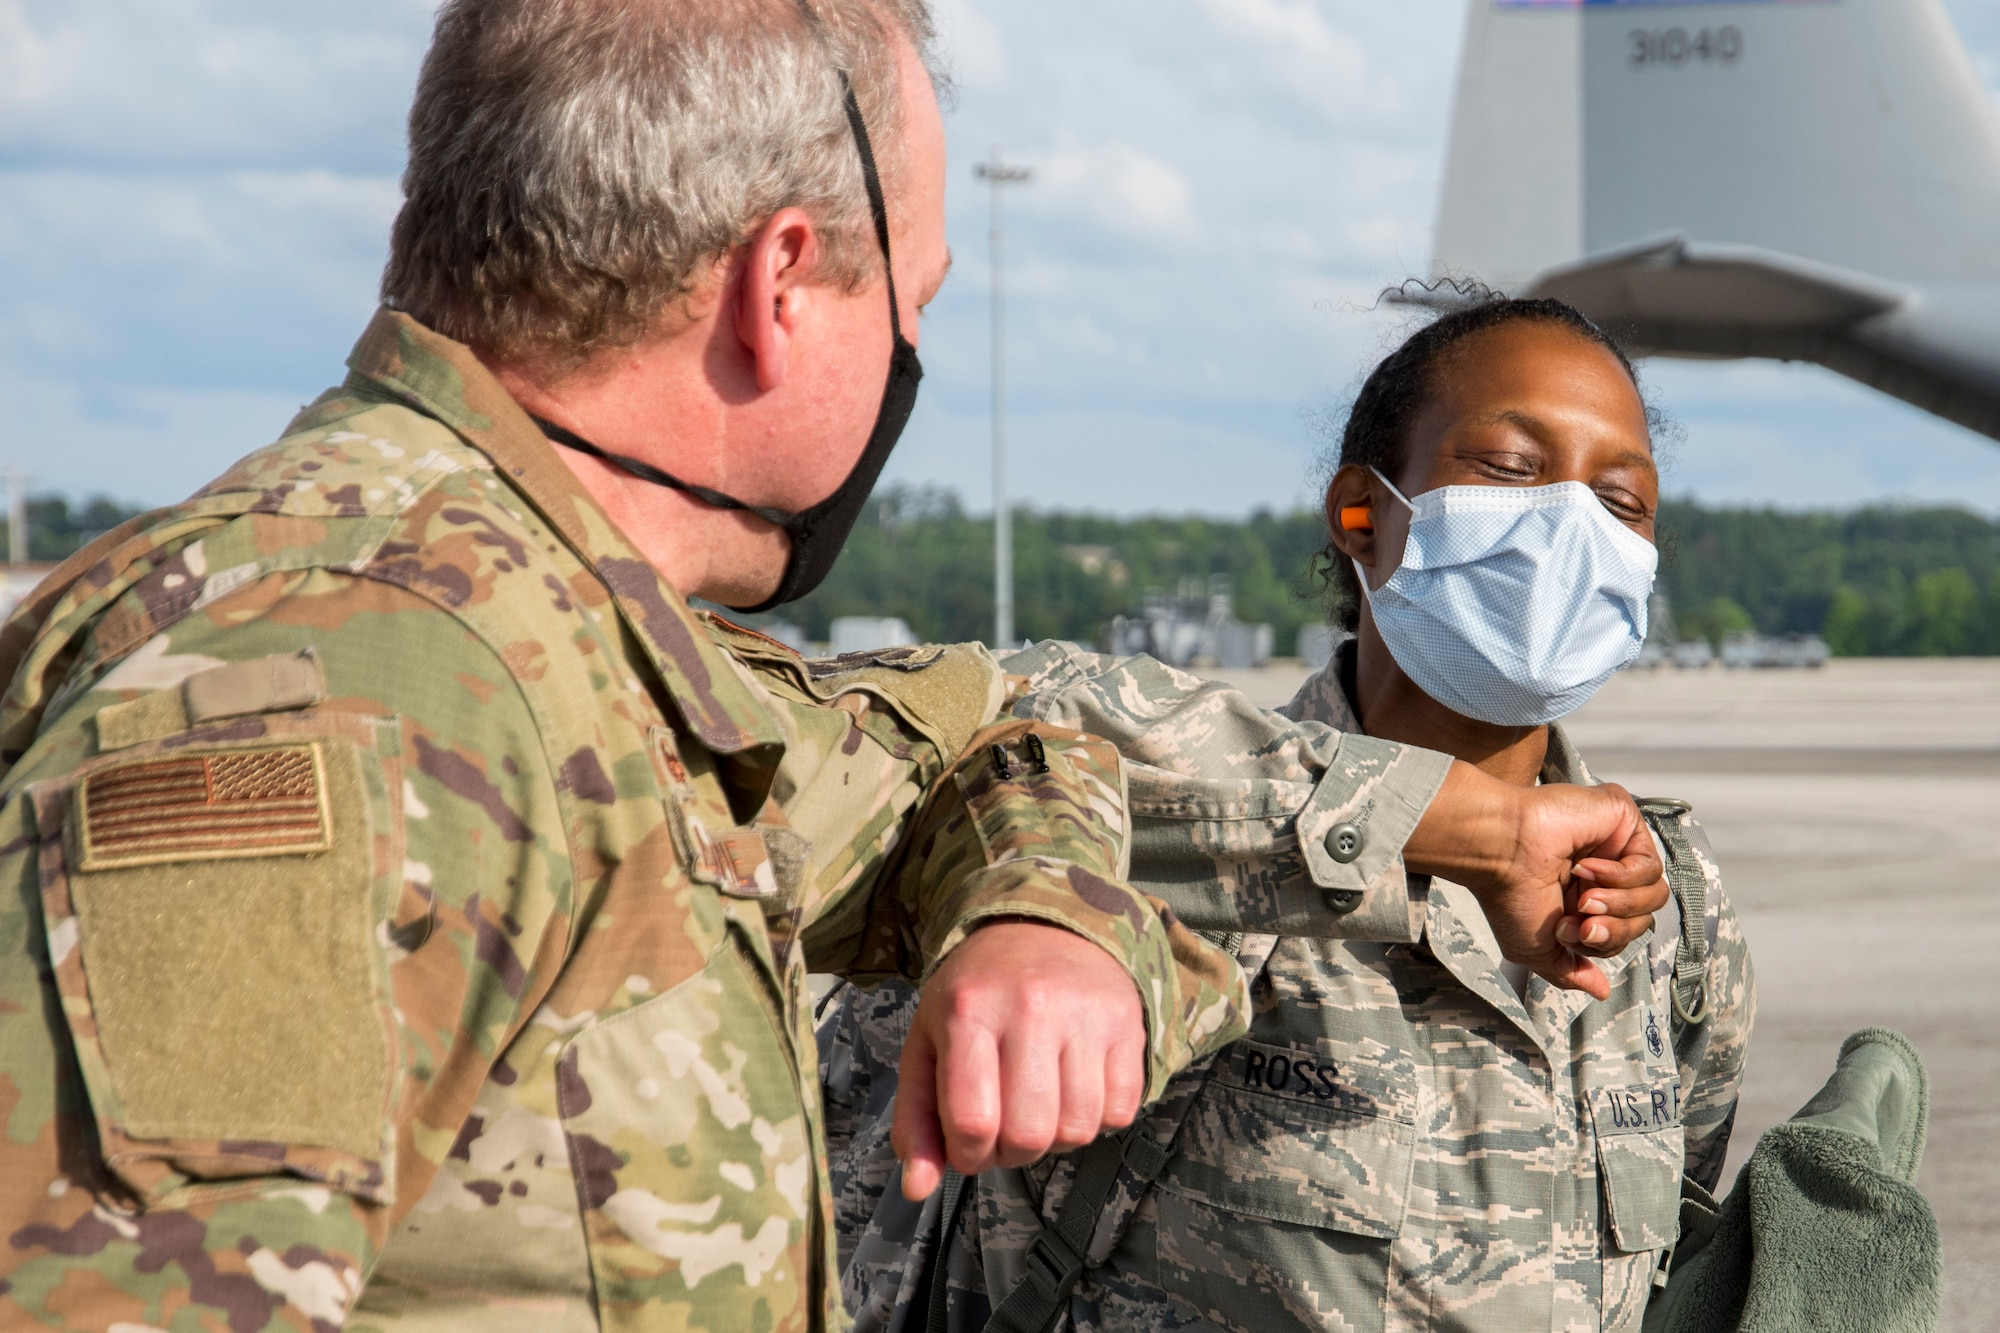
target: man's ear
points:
(774, 291)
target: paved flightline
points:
(1856, 812)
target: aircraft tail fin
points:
(1849, 133)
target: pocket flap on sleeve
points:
(212, 907)
(1290, 1135)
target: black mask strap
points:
(871, 180)
(644, 471)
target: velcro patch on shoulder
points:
(222, 805)
(276, 684)
(950, 692)
(912, 658)
(281, 683)
(741, 638)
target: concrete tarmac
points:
(1856, 814)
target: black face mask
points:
(818, 533)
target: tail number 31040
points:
(1681, 46)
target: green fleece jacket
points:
(1824, 1231)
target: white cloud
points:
(1295, 42)
(1800, 437)
(239, 280)
(1295, 26)
(975, 51)
(1165, 462)
(208, 83)
(28, 68)
(1119, 188)
(147, 446)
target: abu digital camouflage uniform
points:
(406, 928)
(1403, 1140)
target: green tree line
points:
(1886, 580)
(917, 554)
(57, 528)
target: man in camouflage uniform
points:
(1408, 1138)
(412, 899)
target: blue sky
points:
(194, 196)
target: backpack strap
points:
(1056, 1257)
(1689, 990)
(933, 1294)
(1689, 883)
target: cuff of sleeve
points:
(1353, 830)
(1193, 995)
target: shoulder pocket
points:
(213, 903)
(1640, 1151)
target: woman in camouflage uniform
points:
(1413, 1135)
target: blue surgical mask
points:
(1514, 605)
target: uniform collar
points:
(1324, 696)
(1328, 697)
(1563, 763)
(443, 379)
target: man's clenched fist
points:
(1028, 1039)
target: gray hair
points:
(577, 165)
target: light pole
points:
(997, 173)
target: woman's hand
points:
(1564, 873)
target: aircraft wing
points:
(1938, 350)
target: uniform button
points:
(1344, 842)
(1342, 901)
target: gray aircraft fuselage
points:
(1813, 180)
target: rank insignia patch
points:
(219, 806)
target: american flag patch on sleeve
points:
(217, 806)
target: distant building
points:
(1750, 650)
(1692, 654)
(1316, 645)
(1099, 560)
(1740, 649)
(863, 634)
(785, 632)
(1197, 626)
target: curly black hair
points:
(1377, 433)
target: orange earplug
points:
(1357, 518)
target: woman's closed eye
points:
(1624, 505)
(1510, 466)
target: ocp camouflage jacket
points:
(1403, 1141)
(404, 926)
